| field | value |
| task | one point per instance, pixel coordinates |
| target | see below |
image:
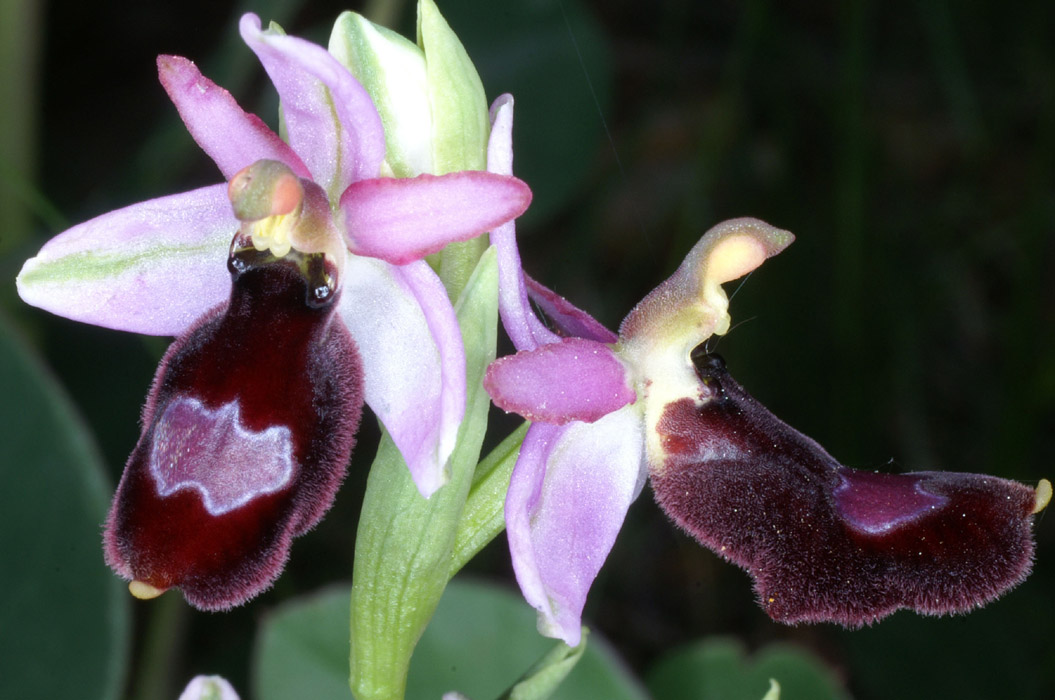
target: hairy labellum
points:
(247, 432)
(824, 542)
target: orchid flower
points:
(823, 542)
(321, 300)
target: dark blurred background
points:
(909, 146)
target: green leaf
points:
(404, 546)
(65, 616)
(302, 647)
(718, 669)
(481, 638)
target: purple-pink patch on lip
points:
(878, 503)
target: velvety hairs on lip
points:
(248, 430)
(825, 542)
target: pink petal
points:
(571, 380)
(233, 138)
(405, 219)
(519, 320)
(567, 500)
(569, 319)
(332, 124)
(413, 360)
(153, 267)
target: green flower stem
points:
(165, 632)
(542, 679)
(483, 517)
(405, 543)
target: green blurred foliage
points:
(481, 639)
(908, 145)
(64, 617)
(717, 669)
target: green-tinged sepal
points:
(392, 69)
(429, 95)
(432, 105)
(459, 106)
(460, 126)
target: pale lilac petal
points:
(332, 124)
(570, 320)
(567, 499)
(230, 136)
(522, 325)
(208, 688)
(413, 360)
(153, 267)
(571, 380)
(404, 219)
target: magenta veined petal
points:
(567, 499)
(332, 123)
(153, 267)
(413, 359)
(571, 380)
(230, 136)
(404, 219)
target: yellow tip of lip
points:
(144, 591)
(734, 257)
(1043, 497)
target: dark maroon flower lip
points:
(827, 543)
(248, 430)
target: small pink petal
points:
(332, 124)
(518, 318)
(152, 267)
(405, 219)
(230, 136)
(571, 380)
(567, 499)
(570, 320)
(413, 360)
